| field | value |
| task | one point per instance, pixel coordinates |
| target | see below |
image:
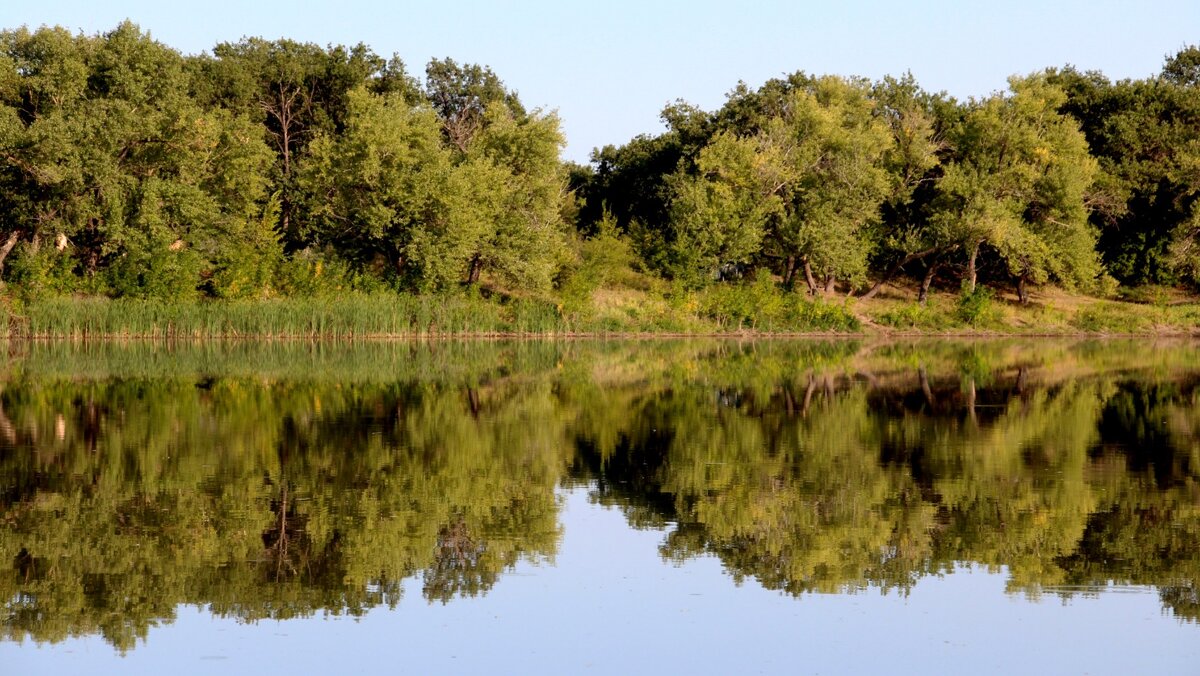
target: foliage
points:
(916, 316)
(272, 168)
(1018, 185)
(977, 307)
(601, 260)
(1109, 318)
(761, 306)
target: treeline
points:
(267, 167)
(278, 168)
(844, 183)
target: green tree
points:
(1018, 185)
(125, 174)
(376, 183)
(806, 185)
(1144, 134)
(297, 92)
(917, 121)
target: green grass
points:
(350, 316)
(1111, 318)
(756, 307)
(916, 317)
(359, 315)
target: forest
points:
(273, 169)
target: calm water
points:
(704, 507)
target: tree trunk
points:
(971, 272)
(1022, 289)
(473, 271)
(927, 281)
(808, 277)
(8, 247)
(789, 273)
(895, 269)
(830, 284)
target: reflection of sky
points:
(611, 605)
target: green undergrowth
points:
(363, 315)
(761, 306)
(983, 312)
(754, 307)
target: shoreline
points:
(589, 335)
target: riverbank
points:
(722, 311)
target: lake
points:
(703, 506)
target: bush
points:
(161, 272)
(819, 315)
(977, 308)
(915, 316)
(602, 259)
(762, 306)
(1106, 318)
(38, 271)
(247, 266)
(743, 305)
(311, 274)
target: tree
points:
(297, 91)
(508, 182)
(519, 157)
(462, 95)
(718, 217)
(1145, 135)
(810, 180)
(1018, 185)
(130, 180)
(917, 121)
(374, 185)
(389, 189)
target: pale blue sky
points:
(609, 67)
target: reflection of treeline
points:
(807, 466)
(1066, 483)
(122, 499)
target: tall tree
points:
(810, 179)
(917, 121)
(297, 91)
(1146, 136)
(1018, 186)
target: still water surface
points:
(704, 506)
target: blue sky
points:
(609, 67)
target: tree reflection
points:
(807, 467)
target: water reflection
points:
(282, 481)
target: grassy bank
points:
(403, 315)
(721, 310)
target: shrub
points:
(1107, 318)
(763, 306)
(977, 308)
(38, 271)
(915, 316)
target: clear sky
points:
(609, 66)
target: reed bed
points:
(347, 317)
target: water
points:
(701, 506)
